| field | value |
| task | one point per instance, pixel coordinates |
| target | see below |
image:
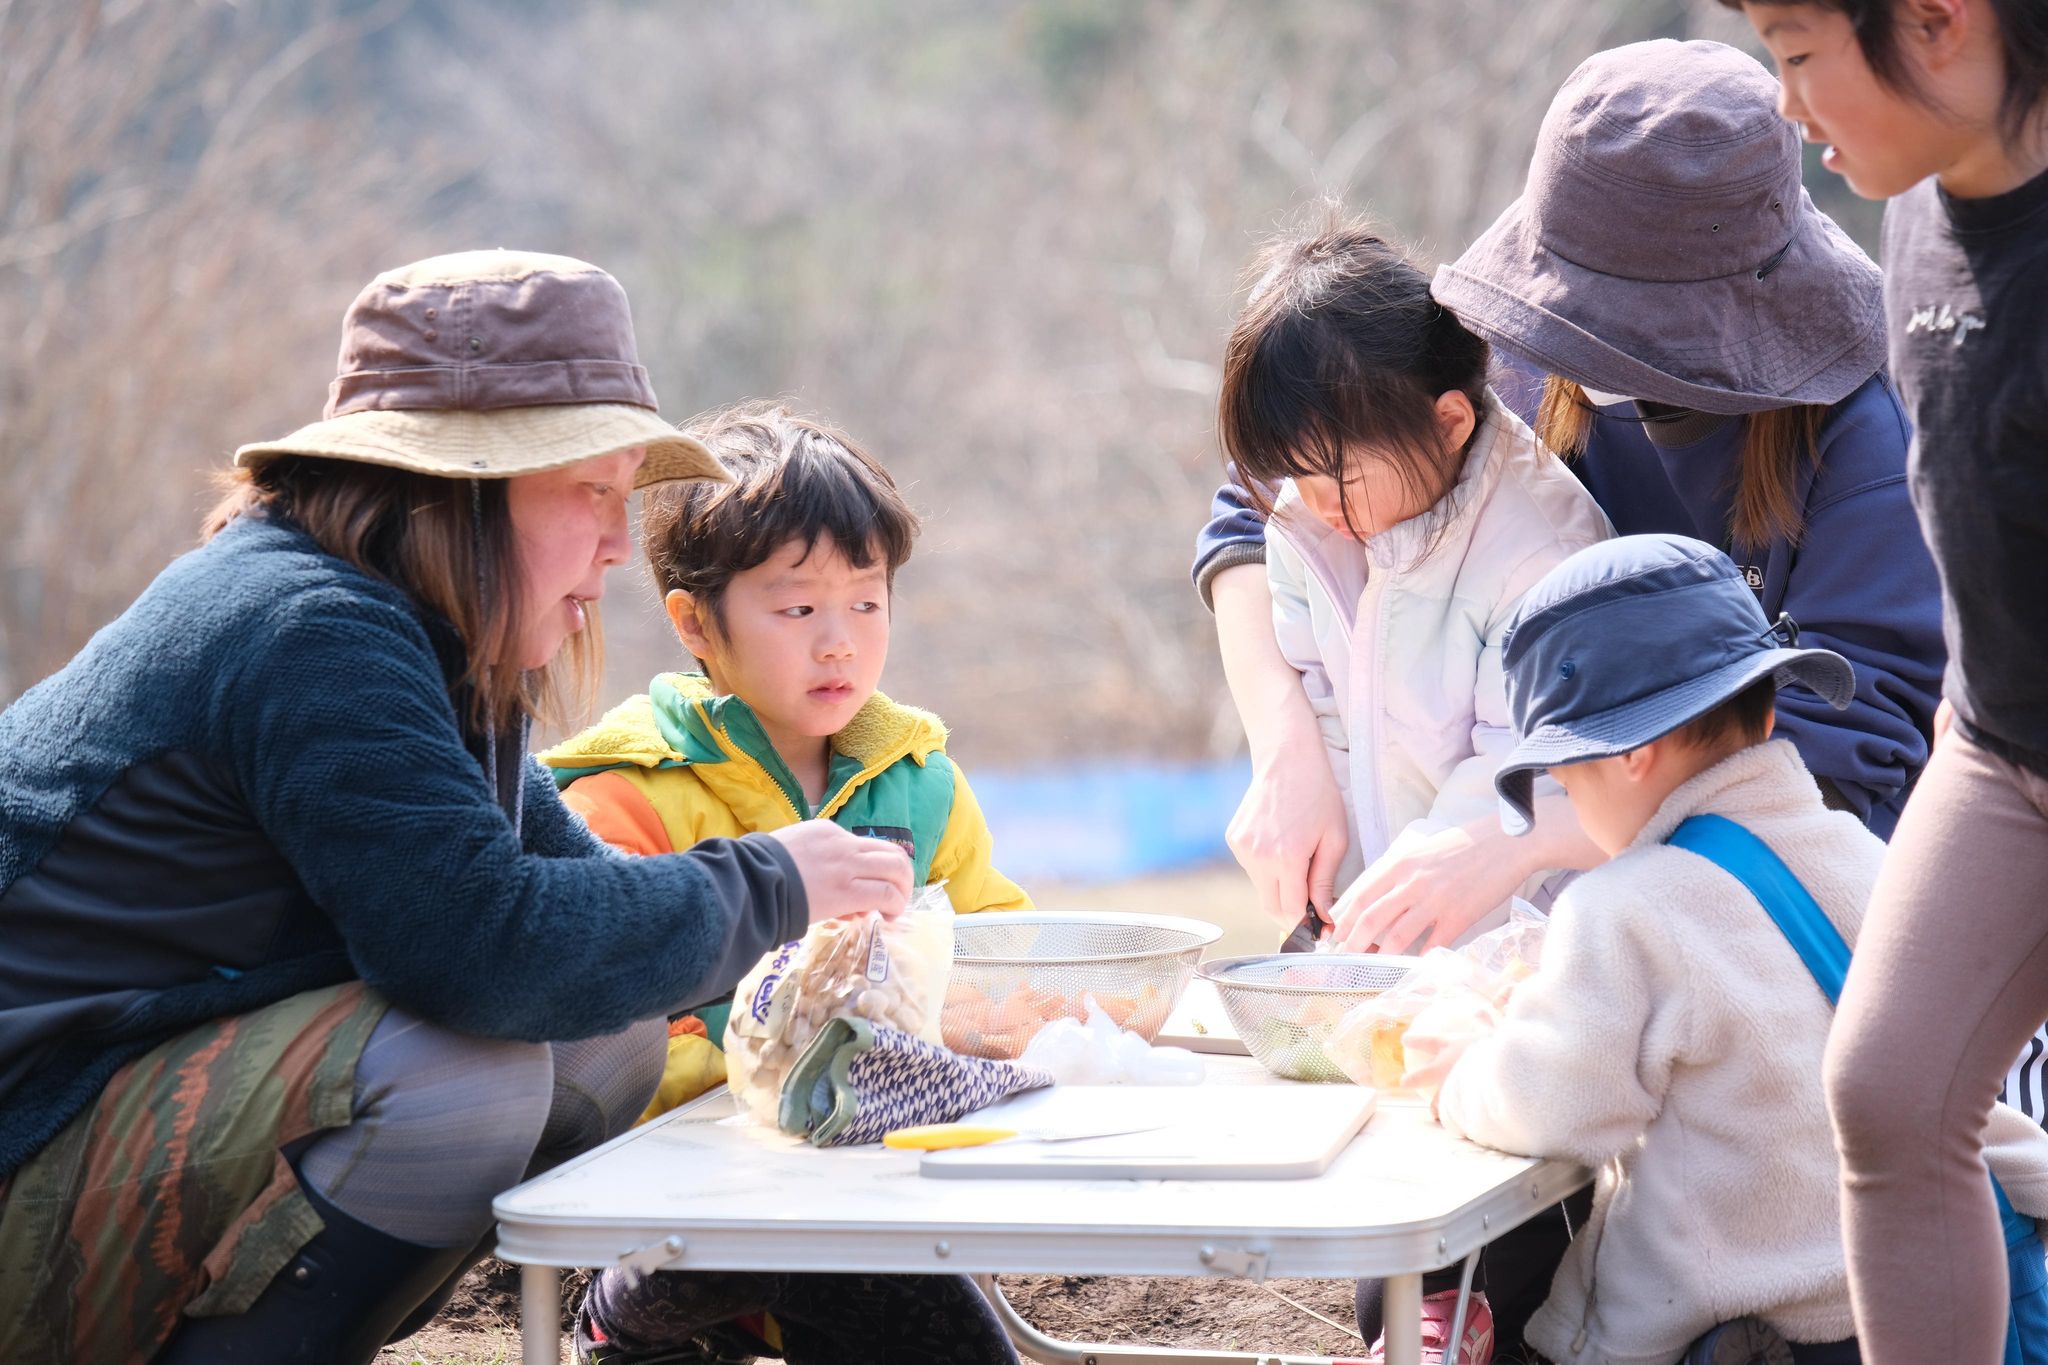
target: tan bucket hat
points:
(487, 364)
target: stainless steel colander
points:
(1283, 1005)
(1016, 971)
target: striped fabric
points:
(858, 1081)
(2025, 1083)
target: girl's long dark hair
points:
(1340, 347)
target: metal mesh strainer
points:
(1016, 971)
(1283, 1005)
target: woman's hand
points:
(844, 874)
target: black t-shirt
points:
(1966, 304)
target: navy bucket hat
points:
(1627, 641)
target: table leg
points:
(1464, 1302)
(540, 1315)
(1402, 1308)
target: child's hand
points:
(1424, 893)
(844, 874)
(1290, 834)
(1439, 1036)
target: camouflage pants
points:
(169, 1194)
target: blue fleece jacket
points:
(1858, 581)
(254, 782)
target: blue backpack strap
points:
(1819, 944)
(1783, 896)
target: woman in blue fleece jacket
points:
(1671, 313)
(301, 958)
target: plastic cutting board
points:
(1265, 1132)
(1199, 1024)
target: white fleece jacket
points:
(1673, 1037)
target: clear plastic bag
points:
(889, 972)
(1452, 996)
(1100, 1053)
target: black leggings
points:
(823, 1319)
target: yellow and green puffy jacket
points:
(681, 762)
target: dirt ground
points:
(480, 1326)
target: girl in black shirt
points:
(1941, 106)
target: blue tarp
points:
(1112, 822)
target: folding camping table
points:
(699, 1189)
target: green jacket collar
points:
(679, 719)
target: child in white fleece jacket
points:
(1673, 1036)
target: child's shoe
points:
(589, 1346)
(1437, 1312)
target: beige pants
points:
(1949, 979)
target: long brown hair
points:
(1341, 345)
(1778, 444)
(446, 543)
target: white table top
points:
(1404, 1197)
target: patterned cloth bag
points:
(857, 1081)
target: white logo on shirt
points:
(1943, 318)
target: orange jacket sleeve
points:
(617, 813)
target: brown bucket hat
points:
(1664, 247)
(487, 364)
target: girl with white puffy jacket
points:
(1409, 512)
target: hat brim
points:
(1810, 330)
(1634, 724)
(498, 444)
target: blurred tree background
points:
(996, 240)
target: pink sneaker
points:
(1437, 1312)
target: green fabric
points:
(818, 1100)
(714, 1017)
(905, 795)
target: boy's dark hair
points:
(1341, 344)
(793, 479)
(2022, 38)
(1747, 714)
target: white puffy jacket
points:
(1398, 637)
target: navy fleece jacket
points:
(253, 783)
(1858, 581)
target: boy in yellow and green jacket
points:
(779, 584)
